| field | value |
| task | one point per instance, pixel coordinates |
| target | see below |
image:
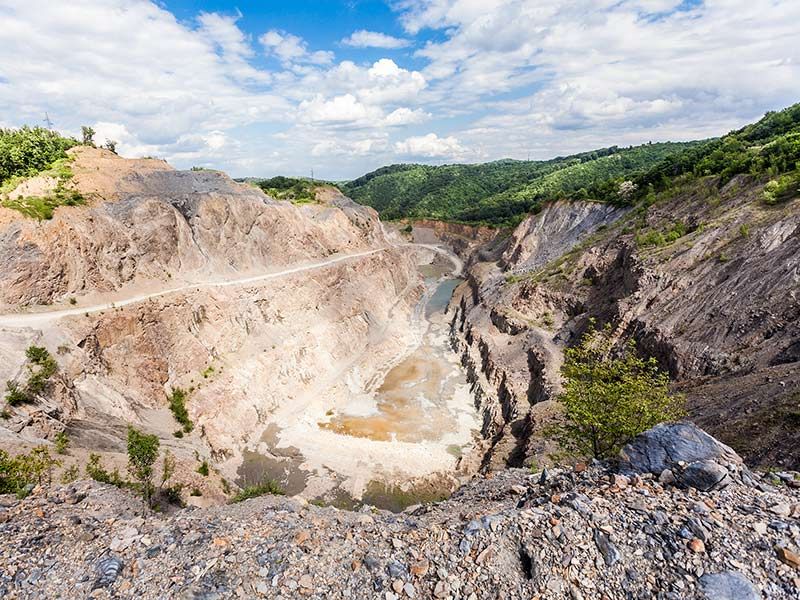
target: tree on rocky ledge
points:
(610, 397)
(142, 454)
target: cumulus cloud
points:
(291, 48)
(430, 146)
(374, 39)
(502, 77)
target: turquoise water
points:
(441, 297)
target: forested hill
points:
(499, 191)
(503, 192)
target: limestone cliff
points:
(706, 280)
(169, 279)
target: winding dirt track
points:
(38, 319)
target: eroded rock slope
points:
(707, 280)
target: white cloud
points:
(373, 39)
(502, 77)
(340, 109)
(430, 146)
(290, 48)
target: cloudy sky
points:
(267, 87)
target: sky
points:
(260, 88)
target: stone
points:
(782, 510)
(788, 557)
(306, 582)
(610, 552)
(728, 585)
(705, 475)
(695, 458)
(409, 590)
(420, 568)
(441, 589)
(696, 545)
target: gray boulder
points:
(694, 458)
(729, 585)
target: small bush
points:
(609, 398)
(177, 404)
(14, 395)
(61, 442)
(19, 472)
(195, 492)
(70, 474)
(266, 487)
(142, 455)
(203, 468)
(95, 470)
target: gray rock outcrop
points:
(694, 458)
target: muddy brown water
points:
(413, 404)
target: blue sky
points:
(261, 88)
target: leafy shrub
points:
(29, 150)
(95, 469)
(61, 442)
(781, 189)
(18, 472)
(70, 474)
(609, 398)
(203, 468)
(41, 367)
(177, 404)
(266, 487)
(142, 455)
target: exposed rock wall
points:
(718, 304)
(243, 345)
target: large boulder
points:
(684, 454)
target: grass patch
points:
(177, 404)
(268, 487)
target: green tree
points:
(111, 145)
(142, 455)
(611, 396)
(88, 135)
(61, 442)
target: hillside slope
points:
(703, 272)
(250, 305)
(498, 192)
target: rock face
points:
(729, 585)
(714, 298)
(692, 456)
(169, 279)
(566, 533)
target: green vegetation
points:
(61, 442)
(661, 238)
(18, 474)
(26, 152)
(142, 455)
(177, 404)
(70, 474)
(611, 397)
(770, 147)
(501, 192)
(203, 468)
(41, 367)
(30, 150)
(295, 190)
(95, 470)
(266, 487)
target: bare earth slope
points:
(707, 280)
(247, 302)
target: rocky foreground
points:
(581, 532)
